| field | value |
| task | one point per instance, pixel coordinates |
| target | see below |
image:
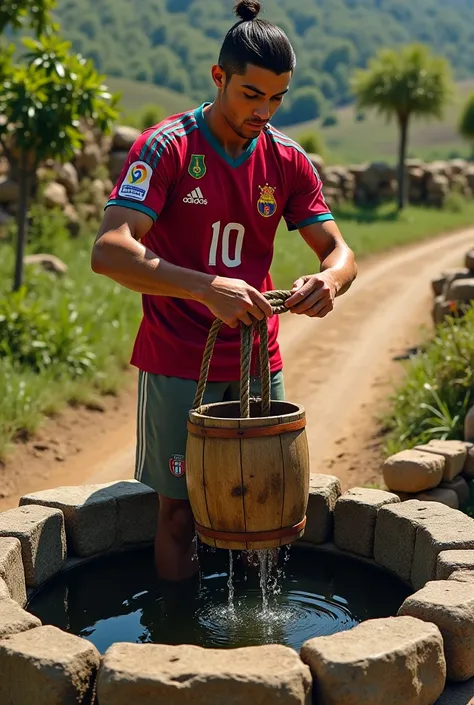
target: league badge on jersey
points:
(197, 166)
(137, 181)
(266, 204)
(177, 465)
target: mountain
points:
(173, 43)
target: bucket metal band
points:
(249, 432)
(251, 536)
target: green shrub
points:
(312, 143)
(38, 337)
(330, 120)
(437, 390)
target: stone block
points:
(469, 260)
(454, 453)
(461, 290)
(441, 308)
(355, 516)
(468, 469)
(437, 284)
(14, 618)
(453, 531)
(460, 486)
(391, 661)
(450, 605)
(137, 512)
(395, 533)
(449, 561)
(46, 666)
(179, 675)
(324, 491)
(4, 591)
(462, 574)
(442, 495)
(101, 517)
(11, 569)
(413, 471)
(40, 531)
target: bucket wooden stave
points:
(248, 478)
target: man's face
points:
(249, 101)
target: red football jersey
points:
(213, 214)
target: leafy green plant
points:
(437, 390)
(43, 102)
(34, 337)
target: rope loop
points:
(277, 299)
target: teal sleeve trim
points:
(309, 221)
(315, 219)
(134, 206)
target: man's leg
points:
(174, 547)
(163, 408)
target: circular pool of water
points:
(306, 593)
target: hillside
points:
(350, 141)
(172, 43)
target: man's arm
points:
(314, 294)
(118, 254)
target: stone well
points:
(424, 655)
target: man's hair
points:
(255, 41)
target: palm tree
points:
(402, 84)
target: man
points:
(190, 225)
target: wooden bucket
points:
(247, 462)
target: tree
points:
(401, 85)
(307, 104)
(43, 103)
(16, 12)
(466, 124)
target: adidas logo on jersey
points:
(195, 197)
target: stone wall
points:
(80, 188)
(375, 183)
(409, 658)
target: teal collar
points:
(215, 144)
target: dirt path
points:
(340, 368)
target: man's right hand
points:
(233, 300)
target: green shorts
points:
(163, 409)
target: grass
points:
(69, 340)
(352, 142)
(137, 95)
(66, 341)
(436, 393)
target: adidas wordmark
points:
(195, 197)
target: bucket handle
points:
(277, 300)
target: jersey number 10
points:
(231, 230)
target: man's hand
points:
(233, 300)
(313, 295)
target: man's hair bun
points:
(247, 10)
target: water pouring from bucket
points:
(247, 461)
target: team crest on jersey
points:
(177, 465)
(267, 204)
(197, 166)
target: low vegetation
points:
(437, 389)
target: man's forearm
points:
(134, 266)
(343, 268)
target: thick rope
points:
(277, 299)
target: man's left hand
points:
(313, 295)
